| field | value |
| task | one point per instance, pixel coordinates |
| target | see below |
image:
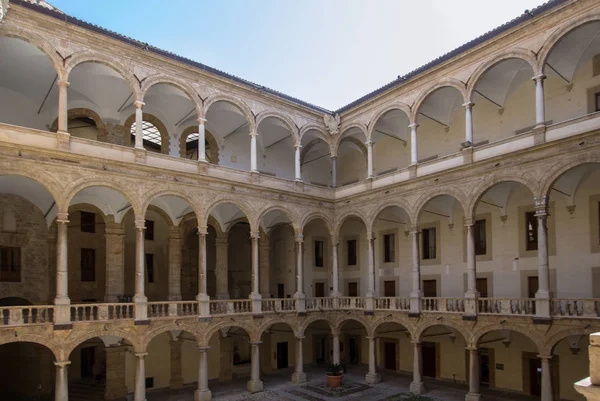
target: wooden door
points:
(532, 286)
(319, 290)
(429, 288)
(353, 289)
(389, 288)
(280, 291)
(389, 350)
(429, 359)
(282, 355)
(481, 285)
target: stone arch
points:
(79, 337)
(47, 181)
(44, 340)
(516, 53)
(342, 219)
(156, 79)
(213, 146)
(294, 220)
(243, 107)
(396, 202)
(310, 126)
(311, 319)
(307, 218)
(547, 347)
(356, 124)
(460, 328)
(156, 331)
(547, 181)
(478, 334)
(340, 321)
(156, 193)
(82, 112)
(402, 320)
(37, 41)
(453, 192)
(394, 106)
(278, 320)
(281, 117)
(82, 207)
(164, 215)
(248, 328)
(165, 139)
(246, 209)
(482, 187)
(91, 57)
(447, 82)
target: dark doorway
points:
(280, 291)
(484, 366)
(88, 357)
(430, 288)
(481, 286)
(353, 289)
(535, 376)
(282, 355)
(429, 359)
(353, 353)
(319, 290)
(389, 288)
(389, 350)
(320, 351)
(532, 286)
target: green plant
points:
(335, 369)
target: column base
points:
(299, 378)
(418, 388)
(202, 395)
(473, 397)
(255, 386)
(371, 378)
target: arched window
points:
(150, 135)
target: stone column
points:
(334, 171)
(299, 377)
(176, 380)
(414, 158)
(139, 118)
(174, 264)
(255, 384)
(140, 377)
(63, 111)
(202, 297)
(547, 391)
(469, 122)
(221, 269)
(416, 294)
(201, 140)
(203, 393)
(417, 386)
(253, 163)
(297, 165)
(264, 266)
(474, 392)
(62, 301)
(335, 242)
(116, 387)
(370, 301)
(369, 159)
(299, 295)
(336, 347)
(543, 295)
(471, 294)
(540, 112)
(372, 377)
(115, 262)
(61, 390)
(255, 294)
(140, 299)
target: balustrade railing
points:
(24, 315)
(320, 304)
(430, 304)
(351, 303)
(506, 306)
(392, 303)
(565, 307)
(172, 308)
(96, 312)
(224, 307)
(278, 305)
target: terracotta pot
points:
(334, 381)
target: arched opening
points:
(276, 240)
(277, 148)
(352, 157)
(155, 136)
(353, 344)
(318, 343)
(315, 159)
(570, 361)
(318, 259)
(391, 137)
(28, 91)
(278, 349)
(394, 349)
(443, 354)
(28, 371)
(353, 257)
(188, 145)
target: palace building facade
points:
(165, 224)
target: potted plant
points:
(335, 373)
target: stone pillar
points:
(61, 389)
(372, 377)
(416, 294)
(417, 386)
(174, 264)
(253, 163)
(116, 387)
(547, 391)
(140, 377)
(297, 164)
(334, 171)
(264, 266)
(139, 118)
(62, 301)
(540, 110)
(299, 377)
(543, 295)
(201, 140)
(255, 294)
(335, 242)
(255, 384)
(469, 122)
(221, 269)
(336, 348)
(414, 158)
(474, 392)
(471, 294)
(63, 111)
(370, 302)
(202, 297)
(115, 262)
(141, 302)
(203, 393)
(176, 380)
(299, 295)
(369, 159)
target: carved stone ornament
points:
(332, 123)
(3, 8)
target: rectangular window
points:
(319, 251)
(531, 231)
(480, 239)
(10, 264)
(389, 248)
(149, 232)
(429, 245)
(150, 267)
(597, 98)
(351, 252)
(88, 222)
(88, 264)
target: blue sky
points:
(326, 52)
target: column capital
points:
(297, 146)
(541, 206)
(201, 120)
(253, 134)
(468, 105)
(139, 104)
(140, 354)
(416, 343)
(255, 235)
(255, 343)
(203, 348)
(63, 83)
(300, 338)
(202, 230)
(539, 77)
(370, 235)
(62, 364)
(372, 338)
(299, 238)
(369, 143)
(472, 348)
(335, 240)
(62, 218)
(333, 155)
(469, 221)
(413, 125)
(140, 224)
(545, 357)
(414, 230)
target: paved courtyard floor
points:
(278, 387)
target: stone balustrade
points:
(26, 315)
(392, 303)
(506, 306)
(572, 307)
(101, 312)
(278, 305)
